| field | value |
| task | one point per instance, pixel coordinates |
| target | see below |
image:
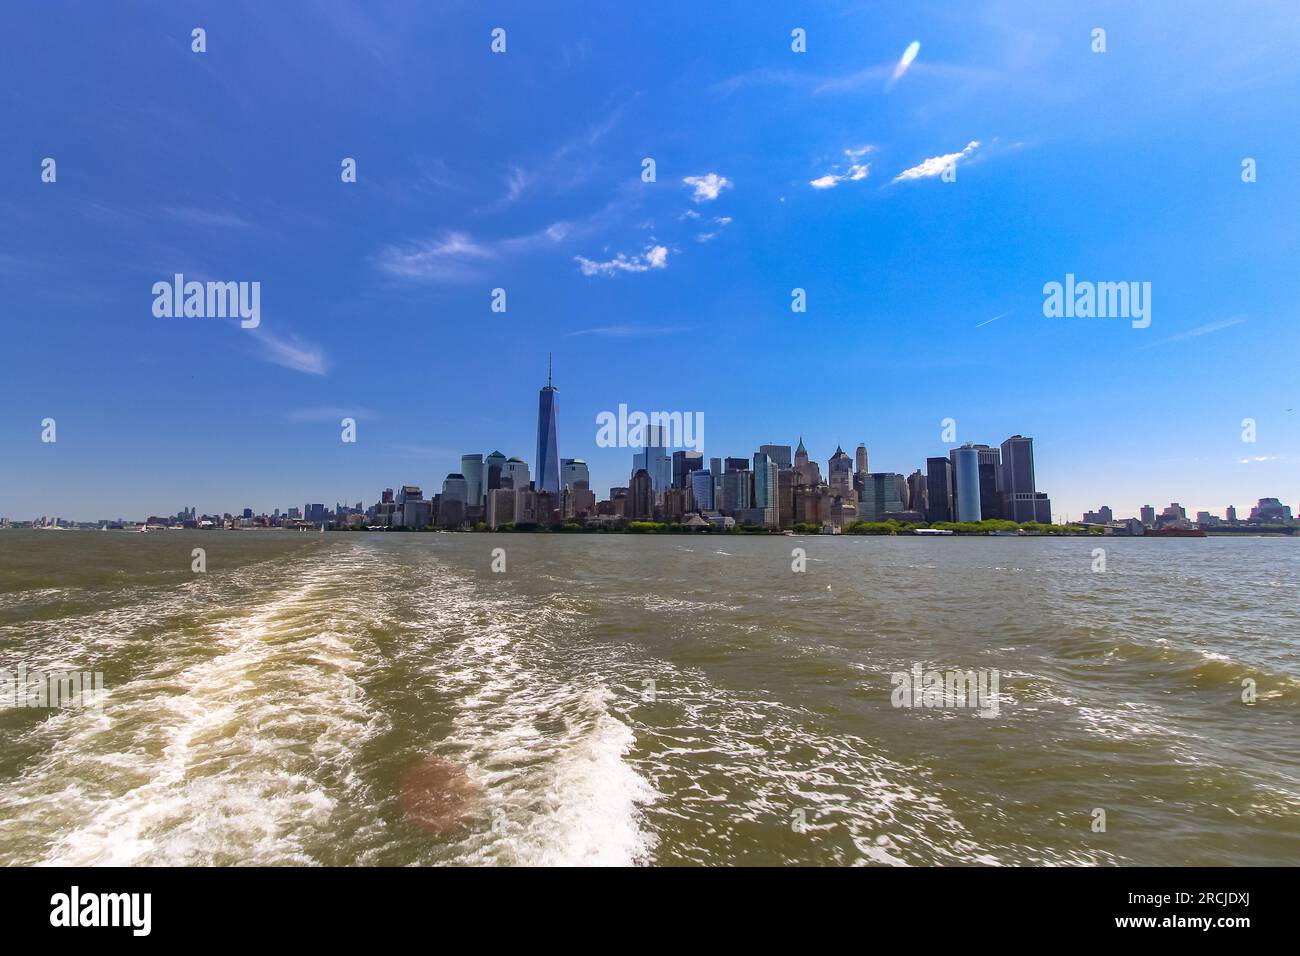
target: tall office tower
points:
(1229, 516)
(654, 457)
(737, 464)
(737, 490)
(938, 480)
(806, 470)
(715, 468)
(839, 475)
(778, 453)
(455, 487)
(471, 466)
(387, 497)
(1149, 516)
(572, 471)
(515, 471)
(493, 467)
(885, 492)
(685, 462)
(641, 498)
(861, 460)
(702, 489)
(966, 483)
(548, 459)
(766, 488)
(918, 494)
(1021, 499)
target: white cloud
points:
(328, 414)
(654, 257)
(707, 187)
(936, 164)
(293, 353)
(856, 171)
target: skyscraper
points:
(654, 458)
(685, 462)
(839, 475)
(572, 471)
(471, 466)
(548, 459)
(861, 460)
(702, 488)
(778, 453)
(938, 479)
(966, 483)
(765, 488)
(1021, 499)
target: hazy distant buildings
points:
(1148, 516)
(1230, 515)
(1270, 510)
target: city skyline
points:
(478, 472)
(775, 171)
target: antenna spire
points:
(548, 369)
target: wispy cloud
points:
(708, 186)
(631, 331)
(206, 217)
(856, 170)
(328, 414)
(1256, 459)
(450, 257)
(293, 352)
(654, 257)
(904, 62)
(1197, 332)
(936, 164)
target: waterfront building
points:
(885, 491)
(500, 507)
(1230, 516)
(1148, 516)
(1270, 510)
(1021, 499)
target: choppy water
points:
(388, 699)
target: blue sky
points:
(522, 170)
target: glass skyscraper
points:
(966, 482)
(548, 457)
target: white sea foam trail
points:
(230, 744)
(537, 737)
